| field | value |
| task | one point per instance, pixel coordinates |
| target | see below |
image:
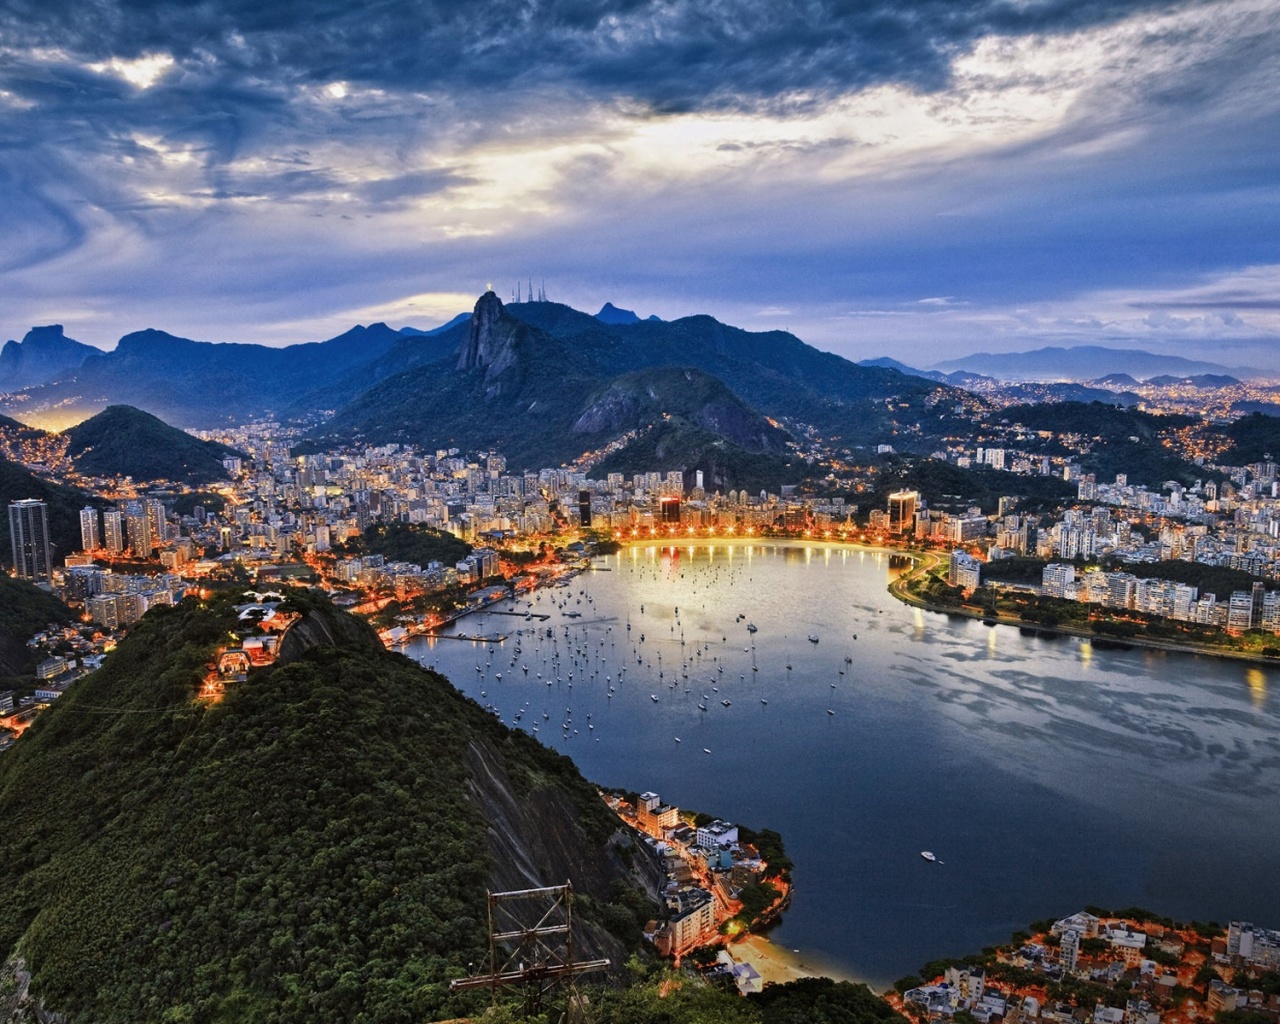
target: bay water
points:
(1045, 774)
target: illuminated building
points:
(902, 510)
(29, 534)
(113, 531)
(90, 534)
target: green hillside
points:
(408, 542)
(677, 443)
(1255, 437)
(25, 609)
(124, 441)
(1120, 440)
(17, 431)
(315, 847)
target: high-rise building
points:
(138, 526)
(90, 534)
(902, 510)
(670, 511)
(1069, 950)
(29, 534)
(1057, 580)
(157, 521)
(584, 509)
(113, 530)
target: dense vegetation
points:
(307, 849)
(184, 504)
(1092, 419)
(950, 488)
(25, 609)
(1256, 437)
(657, 996)
(407, 542)
(65, 503)
(725, 465)
(1015, 570)
(124, 441)
(1210, 579)
(822, 1001)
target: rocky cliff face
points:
(492, 339)
(43, 355)
(535, 840)
(326, 627)
(637, 399)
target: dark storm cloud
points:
(665, 54)
(302, 157)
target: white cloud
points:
(141, 72)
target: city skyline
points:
(996, 177)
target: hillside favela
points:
(640, 513)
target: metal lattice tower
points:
(530, 944)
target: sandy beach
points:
(779, 964)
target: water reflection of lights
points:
(1257, 680)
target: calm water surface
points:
(1045, 774)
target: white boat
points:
(653, 697)
(812, 639)
(751, 628)
(929, 857)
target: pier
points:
(475, 638)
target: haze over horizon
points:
(929, 179)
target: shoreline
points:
(926, 560)
(778, 965)
(764, 540)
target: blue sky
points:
(919, 180)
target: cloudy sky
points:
(918, 179)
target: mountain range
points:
(544, 383)
(1083, 362)
(540, 381)
(196, 383)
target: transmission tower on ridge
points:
(530, 944)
